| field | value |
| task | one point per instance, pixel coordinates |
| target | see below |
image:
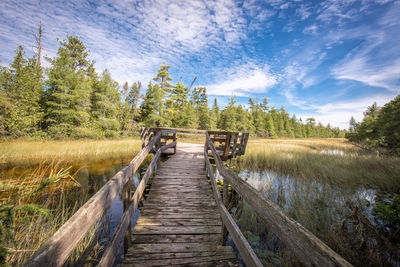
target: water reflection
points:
(344, 218)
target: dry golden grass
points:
(40, 192)
(29, 153)
(330, 160)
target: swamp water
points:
(346, 219)
(91, 176)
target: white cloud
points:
(376, 61)
(131, 38)
(244, 80)
(338, 113)
(304, 12)
(312, 29)
(358, 69)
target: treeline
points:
(380, 126)
(70, 100)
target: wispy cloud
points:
(339, 113)
(244, 81)
(376, 61)
(288, 50)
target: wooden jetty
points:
(184, 219)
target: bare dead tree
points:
(38, 39)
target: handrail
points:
(118, 237)
(56, 250)
(310, 250)
(245, 250)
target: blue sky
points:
(326, 59)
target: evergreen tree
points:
(389, 122)
(151, 109)
(68, 97)
(134, 98)
(200, 103)
(163, 79)
(270, 126)
(105, 106)
(228, 116)
(215, 115)
(22, 87)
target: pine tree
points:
(68, 97)
(151, 109)
(200, 103)
(106, 106)
(215, 115)
(133, 99)
(270, 126)
(228, 116)
(163, 79)
(23, 88)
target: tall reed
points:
(31, 153)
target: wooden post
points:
(225, 202)
(126, 200)
(174, 140)
(227, 146)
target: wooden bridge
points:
(184, 220)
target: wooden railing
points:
(228, 144)
(306, 246)
(56, 250)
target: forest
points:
(70, 100)
(380, 126)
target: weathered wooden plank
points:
(174, 247)
(174, 201)
(154, 256)
(220, 263)
(180, 212)
(182, 216)
(117, 239)
(183, 191)
(176, 238)
(187, 176)
(166, 230)
(194, 210)
(187, 197)
(185, 261)
(305, 245)
(177, 222)
(185, 205)
(57, 249)
(179, 182)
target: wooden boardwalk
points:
(180, 224)
(183, 217)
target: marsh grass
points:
(34, 205)
(346, 196)
(40, 190)
(31, 153)
(319, 159)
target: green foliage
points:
(21, 90)
(69, 91)
(380, 126)
(104, 109)
(79, 103)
